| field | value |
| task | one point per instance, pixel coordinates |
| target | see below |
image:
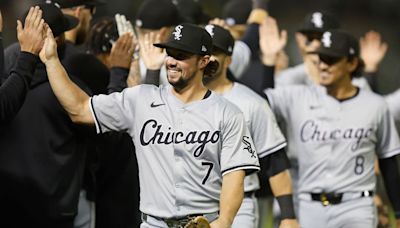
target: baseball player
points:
(268, 139)
(193, 146)
(308, 39)
(335, 141)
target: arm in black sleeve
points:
(391, 177)
(118, 77)
(274, 163)
(152, 77)
(372, 80)
(14, 89)
(251, 38)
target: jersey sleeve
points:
(264, 129)
(388, 138)
(280, 101)
(240, 59)
(238, 151)
(114, 112)
(394, 105)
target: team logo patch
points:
(326, 39)
(178, 32)
(317, 20)
(248, 147)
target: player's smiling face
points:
(181, 67)
(334, 71)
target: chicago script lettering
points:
(160, 135)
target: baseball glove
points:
(198, 222)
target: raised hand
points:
(49, 49)
(31, 35)
(372, 50)
(153, 57)
(271, 41)
(220, 22)
(123, 25)
(122, 51)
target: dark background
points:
(356, 16)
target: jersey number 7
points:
(210, 166)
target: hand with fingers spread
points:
(31, 35)
(372, 50)
(153, 57)
(122, 51)
(271, 41)
(123, 25)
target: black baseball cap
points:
(338, 44)
(236, 12)
(192, 12)
(189, 38)
(58, 22)
(155, 14)
(319, 22)
(73, 3)
(221, 38)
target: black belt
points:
(335, 198)
(249, 194)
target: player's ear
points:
(204, 60)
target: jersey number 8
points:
(359, 168)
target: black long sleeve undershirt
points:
(13, 90)
(118, 77)
(391, 177)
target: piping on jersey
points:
(167, 136)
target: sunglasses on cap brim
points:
(178, 55)
(310, 37)
(329, 60)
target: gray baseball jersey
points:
(297, 75)
(183, 150)
(261, 122)
(240, 58)
(335, 141)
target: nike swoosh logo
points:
(155, 105)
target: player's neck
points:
(71, 36)
(220, 85)
(194, 91)
(342, 91)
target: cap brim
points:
(327, 53)
(177, 46)
(72, 22)
(309, 30)
(96, 3)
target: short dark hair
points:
(101, 36)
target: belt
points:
(249, 194)
(336, 198)
(181, 221)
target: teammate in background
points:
(83, 10)
(156, 17)
(268, 139)
(334, 140)
(190, 142)
(13, 90)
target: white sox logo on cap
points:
(210, 30)
(326, 39)
(317, 19)
(178, 32)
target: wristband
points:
(286, 205)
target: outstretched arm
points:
(14, 89)
(74, 100)
(230, 199)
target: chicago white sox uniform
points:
(394, 105)
(267, 139)
(183, 150)
(335, 142)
